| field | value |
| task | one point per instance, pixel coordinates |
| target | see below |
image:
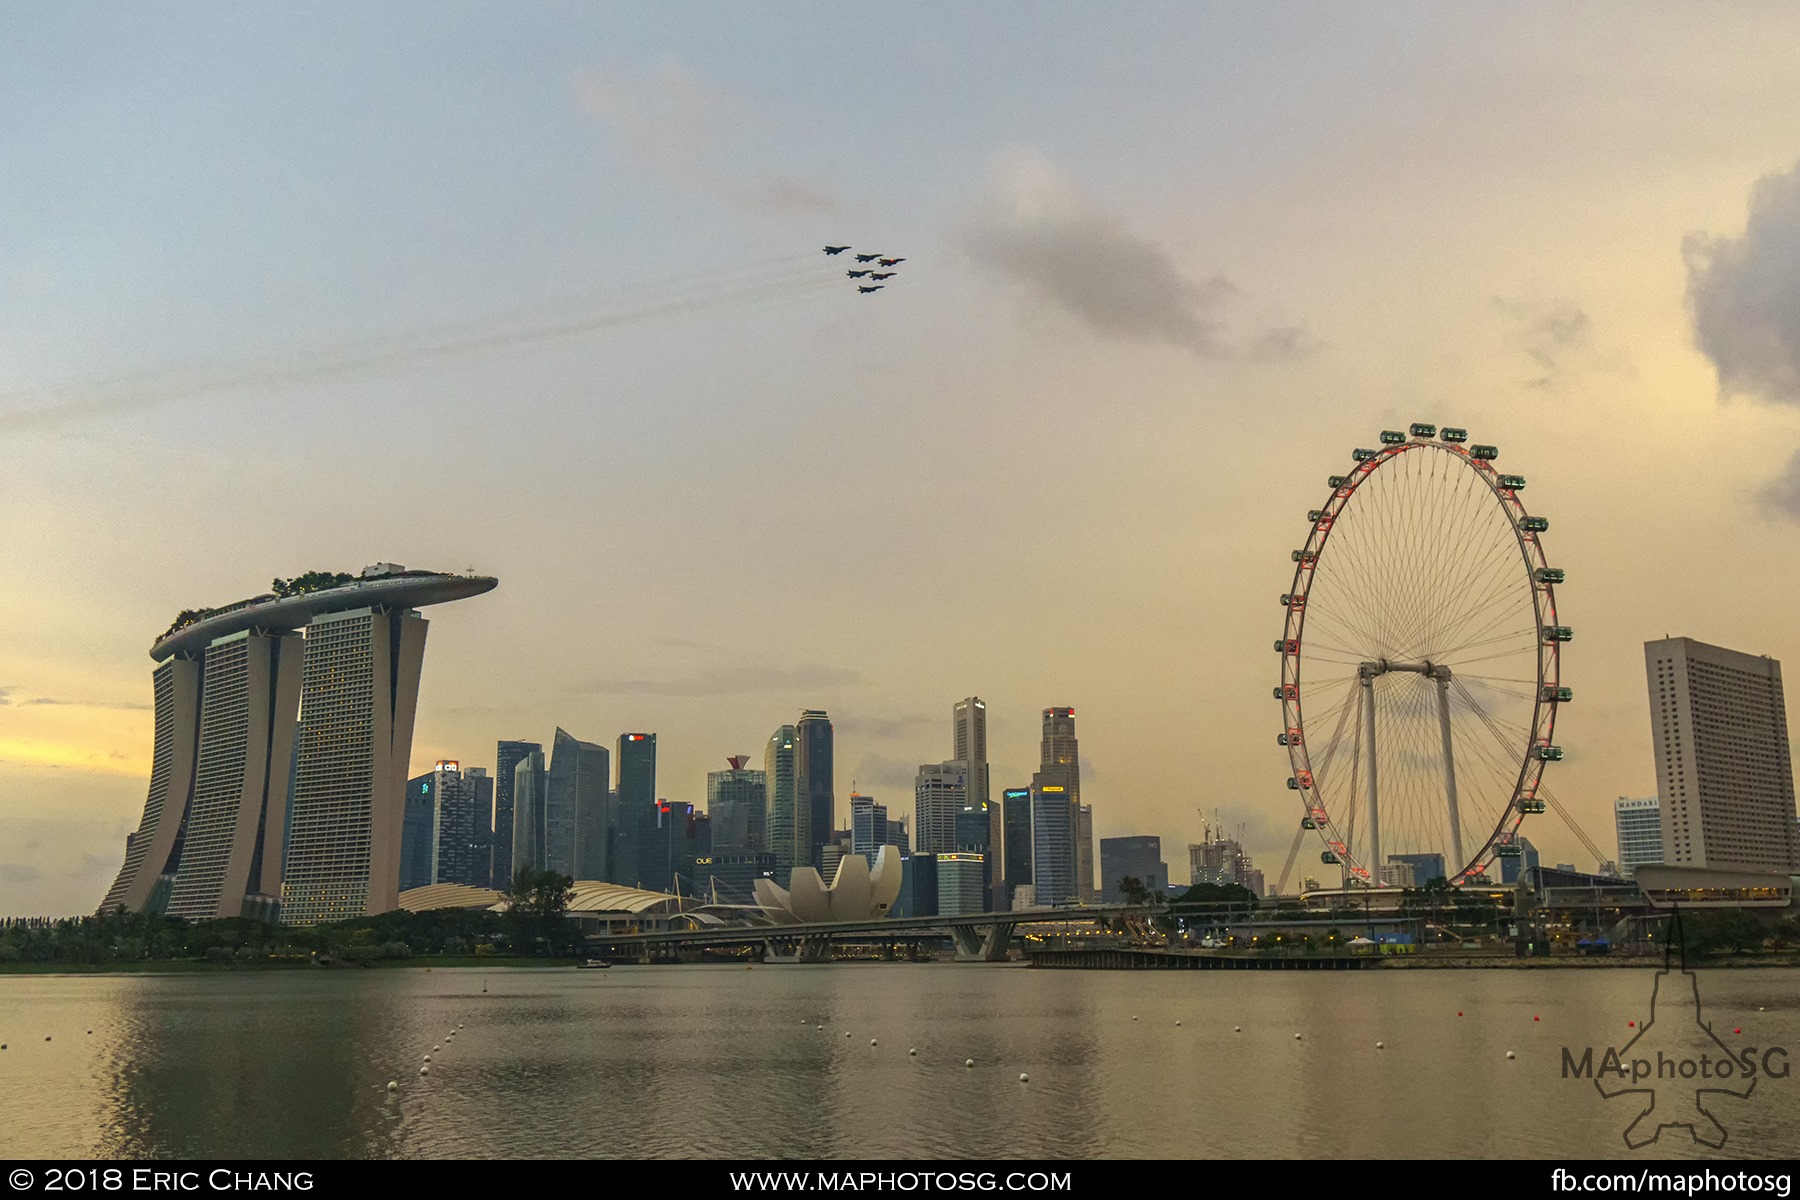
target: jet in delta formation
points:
(859, 274)
(866, 290)
(888, 262)
(836, 249)
(882, 274)
(865, 257)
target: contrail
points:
(737, 286)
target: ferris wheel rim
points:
(1547, 692)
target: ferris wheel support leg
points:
(1456, 842)
(1368, 682)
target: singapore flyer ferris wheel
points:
(1421, 663)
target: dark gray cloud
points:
(19, 873)
(888, 779)
(733, 681)
(62, 703)
(1035, 228)
(1744, 295)
(6, 694)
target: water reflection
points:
(724, 1062)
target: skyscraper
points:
(506, 760)
(1060, 748)
(1718, 719)
(480, 786)
(788, 820)
(1138, 858)
(1053, 839)
(939, 792)
(231, 849)
(868, 826)
(968, 720)
(1016, 856)
(815, 768)
(245, 808)
(576, 820)
(418, 832)
(454, 807)
(737, 803)
(635, 820)
(531, 787)
(1639, 826)
(1084, 852)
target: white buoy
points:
(914, 1052)
(871, 1041)
(428, 1058)
(819, 1027)
(434, 1047)
(1024, 1078)
(1178, 1023)
(1381, 1045)
(426, 1070)
(393, 1086)
(459, 1026)
(846, 1033)
(1134, 1017)
(1237, 1029)
(1509, 1054)
(968, 1062)
(1296, 1037)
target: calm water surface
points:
(715, 1061)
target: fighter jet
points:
(882, 274)
(859, 274)
(836, 249)
(866, 290)
(866, 257)
(890, 262)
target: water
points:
(717, 1061)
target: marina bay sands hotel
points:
(284, 730)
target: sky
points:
(536, 288)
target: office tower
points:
(1084, 852)
(531, 786)
(1053, 878)
(732, 874)
(635, 818)
(1425, 867)
(868, 827)
(919, 883)
(322, 803)
(151, 852)
(1524, 866)
(814, 772)
(670, 843)
(1718, 719)
(737, 802)
(960, 887)
(974, 829)
(1639, 825)
(1060, 749)
(1398, 874)
(694, 850)
(939, 792)
(1222, 860)
(453, 802)
(506, 760)
(787, 820)
(576, 819)
(231, 848)
(1138, 858)
(480, 787)
(1016, 820)
(418, 832)
(897, 836)
(968, 719)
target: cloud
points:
(6, 694)
(1036, 228)
(1780, 496)
(882, 777)
(57, 701)
(734, 681)
(19, 873)
(889, 729)
(1743, 294)
(683, 128)
(1550, 334)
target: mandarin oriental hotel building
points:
(283, 732)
